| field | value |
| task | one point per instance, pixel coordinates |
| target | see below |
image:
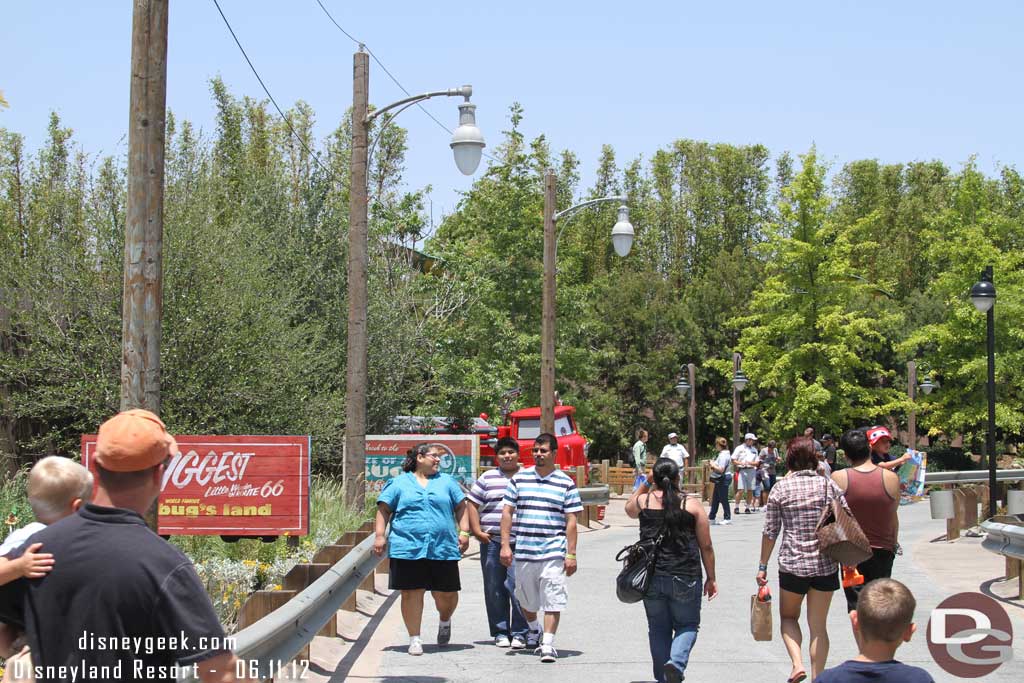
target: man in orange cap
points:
(116, 581)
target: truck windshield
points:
(530, 428)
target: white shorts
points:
(540, 585)
(747, 478)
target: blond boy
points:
(57, 487)
(883, 620)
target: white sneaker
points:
(726, 522)
(533, 639)
(444, 634)
(502, 641)
(714, 522)
(518, 643)
(416, 647)
(548, 653)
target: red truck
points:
(522, 425)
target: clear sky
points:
(898, 80)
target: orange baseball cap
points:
(133, 440)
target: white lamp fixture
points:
(683, 387)
(739, 381)
(467, 142)
(622, 233)
(983, 293)
(927, 386)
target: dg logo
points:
(970, 635)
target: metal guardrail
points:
(595, 495)
(1004, 536)
(281, 635)
(972, 477)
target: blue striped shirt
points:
(541, 504)
(488, 492)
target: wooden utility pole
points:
(547, 347)
(691, 427)
(912, 395)
(356, 368)
(143, 244)
(737, 360)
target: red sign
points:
(232, 485)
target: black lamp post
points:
(983, 296)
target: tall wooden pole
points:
(912, 395)
(356, 368)
(547, 349)
(691, 428)
(143, 244)
(737, 360)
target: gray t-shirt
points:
(724, 459)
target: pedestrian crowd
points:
(90, 565)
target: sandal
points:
(797, 678)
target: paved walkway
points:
(601, 639)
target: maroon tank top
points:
(873, 507)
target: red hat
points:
(133, 440)
(876, 434)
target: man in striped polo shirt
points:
(508, 625)
(541, 504)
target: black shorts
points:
(801, 584)
(431, 575)
(878, 566)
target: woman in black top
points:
(673, 600)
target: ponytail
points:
(666, 476)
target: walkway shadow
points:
(340, 672)
(432, 648)
(986, 588)
(562, 654)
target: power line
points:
(401, 87)
(284, 118)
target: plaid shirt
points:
(794, 506)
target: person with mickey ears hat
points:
(116, 581)
(880, 440)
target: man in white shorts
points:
(746, 462)
(541, 504)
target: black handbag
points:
(638, 561)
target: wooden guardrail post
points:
(954, 524)
(983, 494)
(299, 578)
(331, 554)
(262, 603)
(970, 519)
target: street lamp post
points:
(684, 388)
(927, 386)
(467, 145)
(622, 241)
(739, 383)
(983, 296)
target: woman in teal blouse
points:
(423, 507)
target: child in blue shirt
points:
(883, 620)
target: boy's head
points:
(885, 612)
(57, 487)
(855, 445)
(879, 439)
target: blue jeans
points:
(499, 593)
(720, 496)
(673, 618)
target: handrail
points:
(972, 477)
(1004, 536)
(281, 635)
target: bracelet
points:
(464, 533)
(569, 556)
(762, 567)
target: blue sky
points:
(897, 81)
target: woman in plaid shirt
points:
(795, 505)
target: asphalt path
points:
(601, 639)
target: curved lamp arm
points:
(465, 91)
(583, 205)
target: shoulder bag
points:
(839, 535)
(638, 561)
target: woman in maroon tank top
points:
(873, 495)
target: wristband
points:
(570, 556)
(464, 533)
(762, 567)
